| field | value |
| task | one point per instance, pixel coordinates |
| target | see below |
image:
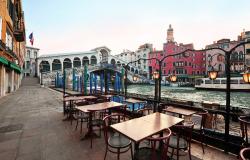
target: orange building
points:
(12, 45)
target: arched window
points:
(209, 58)
(118, 63)
(132, 69)
(220, 67)
(85, 61)
(93, 60)
(241, 56)
(136, 71)
(56, 65)
(77, 62)
(112, 61)
(28, 53)
(67, 63)
(44, 66)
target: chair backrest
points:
(183, 131)
(199, 119)
(145, 111)
(245, 154)
(112, 119)
(165, 136)
(244, 122)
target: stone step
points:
(30, 81)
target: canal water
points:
(238, 99)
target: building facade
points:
(30, 64)
(12, 45)
(141, 53)
(216, 58)
(245, 36)
(186, 68)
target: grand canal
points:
(238, 99)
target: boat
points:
(237, 84)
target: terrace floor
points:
(31, 128)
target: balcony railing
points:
(19, 30)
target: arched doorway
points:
(56, 65)
(44, 66)
(77, 62)
(93, 60)
(67, 63)
(85, 61)
(105, 55)
(112, 61)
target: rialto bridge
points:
(51, 64)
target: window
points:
(9, 40)
(28, 53)
(35, 54)
(144, 55)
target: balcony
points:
(19, 30)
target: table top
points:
(181, 111)
(99, 106)
(132, 100)
(74, 98)
(140, 128)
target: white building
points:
(30, 64)
(142, 53)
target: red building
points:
(186, 68)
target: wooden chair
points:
(151, 153)
(244, 123)
(145, 111)
(199, 120)
(245, 154)
(115, 142)
(181, 138)
(81, 116)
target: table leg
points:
(90, 134)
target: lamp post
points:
(213, 74)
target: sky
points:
(61, 26)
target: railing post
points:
(227, 120)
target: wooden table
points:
(187, 113)
(139, 129)
(71, 99)
(96, 107)
(133, 101)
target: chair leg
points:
(105, 153)
(118, 154)
(81, 126)
(189, 152)
(172, 154)
(76, 124)
(131, 149)
(177, 153)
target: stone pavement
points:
(31, 128)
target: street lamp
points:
(212, 74)
(156, 75)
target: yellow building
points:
(12, 45)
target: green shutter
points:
(4, 61)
